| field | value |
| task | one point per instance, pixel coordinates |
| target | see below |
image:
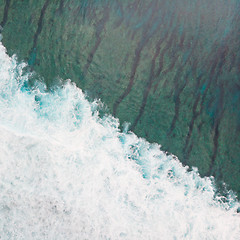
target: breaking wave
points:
(67, 173)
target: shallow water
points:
(66, 173)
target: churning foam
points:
(66, 173)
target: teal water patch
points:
(67, 173)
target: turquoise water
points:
(66, 173)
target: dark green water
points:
(170, 68)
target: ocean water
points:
(67, 173)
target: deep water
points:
(66, 173)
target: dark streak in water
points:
(216, 132)
(177, 103)
(147, 33)
(219, 114)
(132, 76)
(178, 91)
(149, 85)
(187, 150)
(60, 8)
(217, 63)
(215, 148)
(168, 45)
(99, 28)
(192, 47)
(40, 24)
(121, 18)
(5, 15)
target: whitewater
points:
(67, 173)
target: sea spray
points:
(66, 173)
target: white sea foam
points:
(65, 173)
